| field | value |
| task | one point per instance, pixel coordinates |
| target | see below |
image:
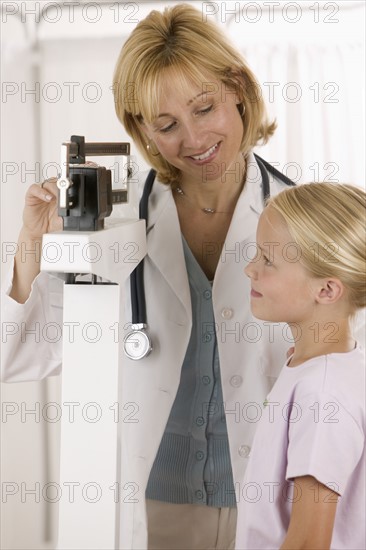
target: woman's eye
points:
(205, 111)
(266, 260)
(166, 129)
(171, 126)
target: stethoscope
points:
(137, 343)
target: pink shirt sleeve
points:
(325, 441)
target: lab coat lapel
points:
(245, 218)
(165, 247)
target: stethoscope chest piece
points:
(137, 343)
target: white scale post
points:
(91, 378)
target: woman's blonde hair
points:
(179, 41)
(328, 223)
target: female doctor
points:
(194, 109)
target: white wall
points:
(295, 49)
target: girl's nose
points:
(250, 270)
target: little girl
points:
(305, 482)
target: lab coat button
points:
(227, 313)
(236, 381)
(244, 451)
(199, 455)
(206, 337)
(207, 294)
(206, 380)
(199, 494)
(200, 420)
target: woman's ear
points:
(329, 291)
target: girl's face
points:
(282, 290)
(198, 130)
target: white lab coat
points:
(251, 352)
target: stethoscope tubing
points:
(138, 301)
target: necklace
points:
(207, 210)
(180, 192)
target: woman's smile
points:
(206, 156)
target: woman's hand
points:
(40, 210)
(39, 217)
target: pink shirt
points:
(312, 423)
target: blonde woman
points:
(306, 475)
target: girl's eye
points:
(266, 260)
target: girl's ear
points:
(329, 292)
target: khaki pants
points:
(190, 527)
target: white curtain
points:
(312, 76)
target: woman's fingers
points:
(50, 186)
(40, 214)
(44, 192)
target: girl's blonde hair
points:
(327, 221)
(178, 43)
